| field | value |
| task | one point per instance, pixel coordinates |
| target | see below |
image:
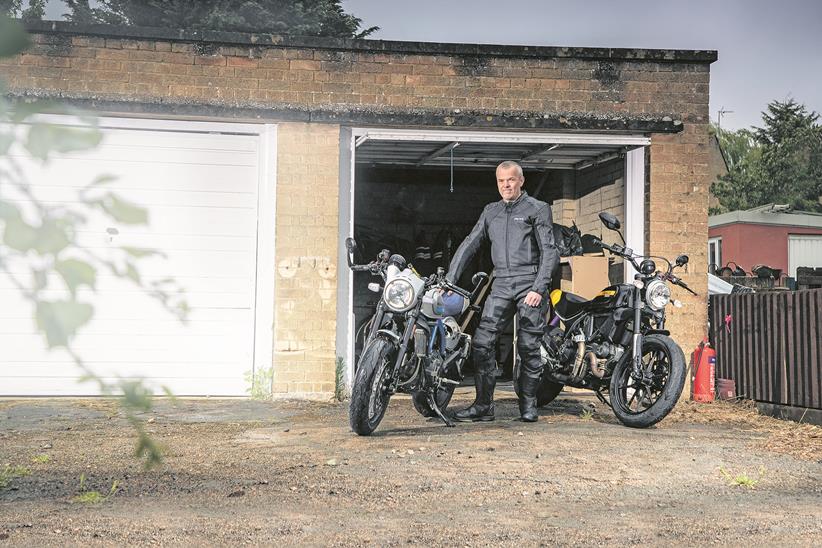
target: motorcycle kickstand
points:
(436, 408)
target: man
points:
(520, 230)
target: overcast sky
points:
(768, 49)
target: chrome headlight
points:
(657, 294)
(399, 295)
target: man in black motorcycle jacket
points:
(520, 229)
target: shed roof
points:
(768, 214)
(375, 46)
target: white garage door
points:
(804, 250)
(203, 185)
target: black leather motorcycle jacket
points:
(522, 241)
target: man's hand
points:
(533, 298)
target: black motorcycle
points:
(616, 344)
(413, 343)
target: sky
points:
(768, 50)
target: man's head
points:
(509, 180)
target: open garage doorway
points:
(419, 192)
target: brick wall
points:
(307, 235)
(478, 86)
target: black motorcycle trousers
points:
(506, 299)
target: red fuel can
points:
(703, 364)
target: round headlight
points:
(657, 294)
(399, 295)
(647, 267)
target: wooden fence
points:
(770, 344)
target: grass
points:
(8, 473)
(586, 415)
(741, 479)
(94, 497)
(40, 459)
(339, 388)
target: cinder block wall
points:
(232, 76)
(307, 228)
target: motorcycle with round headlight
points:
(616, 344)
(414, 344)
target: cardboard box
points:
(584, 275)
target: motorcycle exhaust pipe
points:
(578, 360)
(593, 363)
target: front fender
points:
(657, 332)
(389, 335)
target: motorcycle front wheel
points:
(369, 395)
(640, 403)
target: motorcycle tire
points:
(369, 398)
(546, 392)
(444, 394)
(651, 406)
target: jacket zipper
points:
(507, 222)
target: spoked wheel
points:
(642, 400)
(370, 393)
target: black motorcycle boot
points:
(528, 398)
(483, 407)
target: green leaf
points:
(76, 273)
(40, 279)
(9, 211)
(132, 273)
(138, 252)
(101, 180)
(19, 235)
(6, 140)
(60, 320)
(13, 37)
(123, 211)
(43, 139)
(52, 237)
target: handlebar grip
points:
(456, 289)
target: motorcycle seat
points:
(567, 304)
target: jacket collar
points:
(515, 203)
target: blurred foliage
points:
(781, 162)
(297, 17)
(40, 251)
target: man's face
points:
(509, 183)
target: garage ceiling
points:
(440, 149)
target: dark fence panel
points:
(770, 344)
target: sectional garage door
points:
(204, 185)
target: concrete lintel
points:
(363, 116)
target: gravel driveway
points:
(249, 472)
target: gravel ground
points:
(248, 472)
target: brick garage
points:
(316, 89)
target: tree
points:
(14, 8)
(780, 162)
(791, 161)
(298, 17)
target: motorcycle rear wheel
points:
(637, 405)
(369, 395)
(547, 391)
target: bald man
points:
(520, 229)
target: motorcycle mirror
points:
(610, 221)
(478, 278)
(351, 247)
(682, 260)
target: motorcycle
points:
(414, 344)
(616, 344)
